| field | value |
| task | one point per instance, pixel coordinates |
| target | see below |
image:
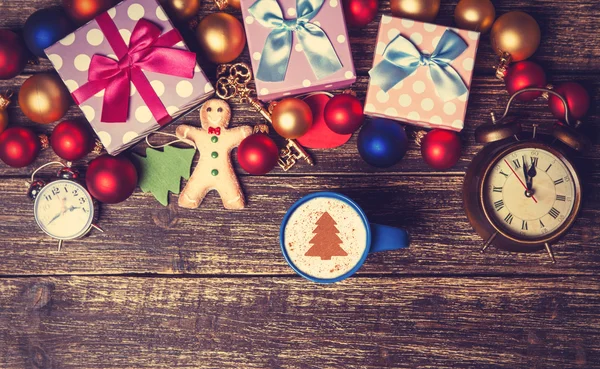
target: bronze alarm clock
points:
(523, 193)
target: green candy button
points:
(214, 154)
(214, 139)
(214, 172)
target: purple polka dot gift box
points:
(297, 46)
(130, 72)
(421, 73)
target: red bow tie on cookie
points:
(214, 131)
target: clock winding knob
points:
(68, 173)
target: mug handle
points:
(386, 238)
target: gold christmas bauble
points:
(43, 98)
(235, 4)
(421, 10)
(221, 37)
(517, 34)
(292, 118)
(3, 120)
(182, 9)
(4, 102)
(475, 15)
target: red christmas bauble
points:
(82, 11)
(343, 114)
(257, 154)
(359, 13)
(13, 54)
(441, 149)
(19, 146)
(522, 75)
(111, 179)
(577, 98)
(71, 140)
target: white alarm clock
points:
(63, 208)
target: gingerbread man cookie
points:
(214, 170)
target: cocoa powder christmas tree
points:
(326, 242)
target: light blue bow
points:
(401, 58)
(276, 54)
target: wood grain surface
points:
(275, 322)
(167, 287)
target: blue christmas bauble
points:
(382, 142)
(45, 27)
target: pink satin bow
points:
(214, 131)
(147, 51)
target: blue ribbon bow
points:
(276, 54)
(401, 58)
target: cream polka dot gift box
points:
(297, 46)
(421, 73)
(130, 72)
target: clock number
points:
(55, 191)
(509, 218)
(561, 197)
(504, 174)
(66, 190)
(497, 189)
(75, 193)
(547, 169)
(542, 224)
(48, 198)
(517, 163)
(82, 200)
(534, 161)
(559, 181)
(554, 213)
(524, 225)
(499, 205)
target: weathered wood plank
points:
(569, 32)
(144, 237)
(487, 94)
(80, 322)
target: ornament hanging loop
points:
(260, 128)
(178, 139)
(502, 67)
(5, 99)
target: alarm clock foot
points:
(488, 242)
(97, 228)
(60, 242)
(550, 253)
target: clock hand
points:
(528, 179)
(532, 172)
(55, 217)
(519, 178)
(525, 170)
(71, 208)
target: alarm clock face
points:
(530, 194)
(64, 209)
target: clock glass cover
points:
(64, 209)
(529, 193)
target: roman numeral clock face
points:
(529, 193)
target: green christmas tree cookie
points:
(160, 172)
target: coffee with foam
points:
(325, 237)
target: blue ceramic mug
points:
(326, 237)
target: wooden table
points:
(167, 287)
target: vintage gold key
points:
(232, 81)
